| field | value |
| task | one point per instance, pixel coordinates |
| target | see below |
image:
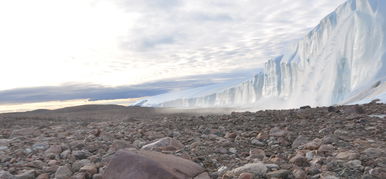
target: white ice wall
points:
(346, 52)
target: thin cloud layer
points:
(97, 92)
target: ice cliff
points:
(341, 60)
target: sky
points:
(62, 49)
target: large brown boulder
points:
(133, 164)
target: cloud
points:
(126, 42)
(98, 92)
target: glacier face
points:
(343, 55)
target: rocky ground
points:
(326, 143)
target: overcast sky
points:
(114, 43)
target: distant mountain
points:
(342, 60)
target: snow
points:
(339, 61)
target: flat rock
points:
(256, 168)
(149, 165)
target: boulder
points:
(149, 165)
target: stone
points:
(149, 165)
(278, 174)
(277, 132)
(381, 162)
(4, 144)
(25, 132)
(30, 174)
(231, 135)
(54, 149)
(6, 175)
(65, 154)
(312, 170)
(326, 149)
(63, 172)
(378, 172)
(299, 161)
(79, 164)
(310, 155)
(43, 176)
(373, 153)
(166, 143)
(79, 176)
(313, 145)
(258, 169)
(328, 175)
(257, 142)
(245, 176)
(272, 166)
(97, 176)
(299, 173)
(232, 150)
(347, 155)
(262, 136)
(40, 146)
(257, 153)
(300, 140)
(120, 144)
(354, 164)
(81, 154)
(90, 170)
(202, 176)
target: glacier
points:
(341, 61)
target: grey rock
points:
(63, 172)
(6, 175)
(300, 140)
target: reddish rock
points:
(245, 176)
